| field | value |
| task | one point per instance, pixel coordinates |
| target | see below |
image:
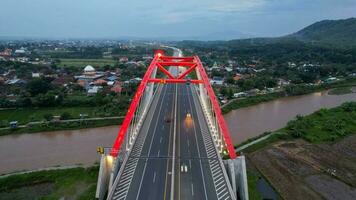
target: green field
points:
(76, 183)
(85, 62)
(25, 115)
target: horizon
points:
(197, 20)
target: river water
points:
(70, 147)
(251, 121)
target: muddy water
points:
(48, 149)
(251, 121)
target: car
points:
(189, 115)
(184, 168)
(188, 81)
(167, 119)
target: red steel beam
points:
(216, 108)
(165, 71)
(131, 111)
(154, 80)
(187, 72)
(172, 63)
(186, 59)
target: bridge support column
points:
(236, 171)
(106, 166)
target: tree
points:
(38, 86)
(65, 116)
(48, 116)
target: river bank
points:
(294, 90)
(304, 154)
(72, 124)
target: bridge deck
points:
(147, 174)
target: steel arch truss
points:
(144, 95)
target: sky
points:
(205, 19)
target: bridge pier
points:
(236, 171)
(109, 167)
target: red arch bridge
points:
(172, 140)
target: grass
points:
(25, 115)
(252, 179)
(85, 62)
(325, 125)
(340, 91)
(76, 183)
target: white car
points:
(184, 168)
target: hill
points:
(333, 32)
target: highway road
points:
(174, 156)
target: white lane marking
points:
(160, 140)
(150, 147)
(192, 189)
(154, 176)
(162, 127)
(190, 164)
(188, 142)
(174, 142)
(158, 152)
(197, 146)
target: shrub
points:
(48, 117)
(65, 115)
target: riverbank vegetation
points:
(76, 183)
(340, 91)
(292, 90)
(57, 126)
(323, 126)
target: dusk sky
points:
(165, 18)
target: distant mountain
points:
(335, 32)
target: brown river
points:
(48, 149)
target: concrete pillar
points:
(106, 165)
(236, 171)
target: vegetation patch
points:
(325, 125)
(252, 180)
(77, 183)
(56, 126)
(340, 91)
(25, 115)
